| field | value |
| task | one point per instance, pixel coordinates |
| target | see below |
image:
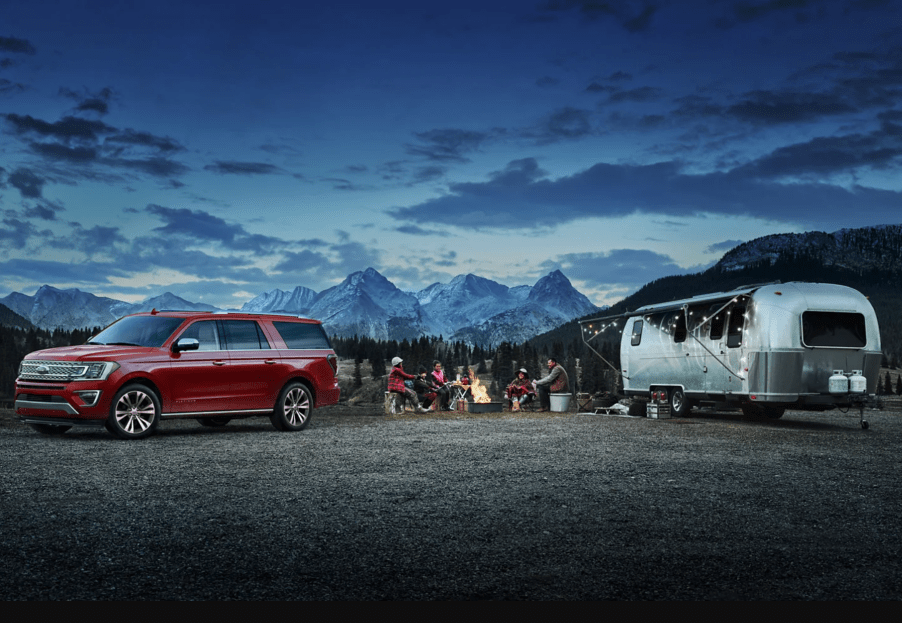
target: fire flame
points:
(480, 394)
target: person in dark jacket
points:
(396, 384)
(426, 390)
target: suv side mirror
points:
(186, 343)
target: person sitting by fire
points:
(555, 383)
(396, 385)
(520, 392)
(444, 391)
(426, 390)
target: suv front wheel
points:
(293, 408)
(134, 413)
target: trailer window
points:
(734, 327)
(676, 325)
(716, 322)
(637, 333)
(833, 330)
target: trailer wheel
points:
(679, 406)
(774, 413)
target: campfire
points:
(480, 394)
(481, 401)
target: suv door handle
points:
(269, 361)
(219, 363)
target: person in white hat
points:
(396, 384)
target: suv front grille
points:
(51, 370)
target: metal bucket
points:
(560, 402)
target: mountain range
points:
(477, 310)
(469, 308)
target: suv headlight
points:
(100, 370)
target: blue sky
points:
(223, 149)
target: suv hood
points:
(91, 352)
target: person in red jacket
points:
(396, 384)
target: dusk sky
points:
(218, 150)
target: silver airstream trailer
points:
(764, 348)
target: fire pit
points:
(484, 407)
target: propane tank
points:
(838, 383)
(858, 384)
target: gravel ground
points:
(523, 506)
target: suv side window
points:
(303, 335)
(205, 332)
(244, 335)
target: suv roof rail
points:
(224, 311)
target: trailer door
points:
(725, 340)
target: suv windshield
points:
(149, 331)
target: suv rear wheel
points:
(293, 408)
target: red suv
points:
(172, 364)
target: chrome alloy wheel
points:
(135, 411)
(296, 406)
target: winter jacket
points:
(396, 380)
(558, 380)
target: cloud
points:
(447, 145)
(831, 155)
(521, 197)
(27, 183)
(16, 233)
(416, 230)
(632, 16)
(231, 167)
(89, 143)
(17, 46)
(336, 261)
(339, 183)
(67, 128)
(428, 174)
(562, 124)
(90, 102)
(785, 107)
(43, 211)
(747, 11)
(618, 267)
(133, 138)
(159, 167)
(7, 86)
(203, 226)
(547, 81)
(48, 271)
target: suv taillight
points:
(333, 361)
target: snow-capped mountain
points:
(298, 301)
(51, 307)
(551, 302)
(472, 308)
(368, 304)
(556, 295)
(465, 301)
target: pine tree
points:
(358, 379)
